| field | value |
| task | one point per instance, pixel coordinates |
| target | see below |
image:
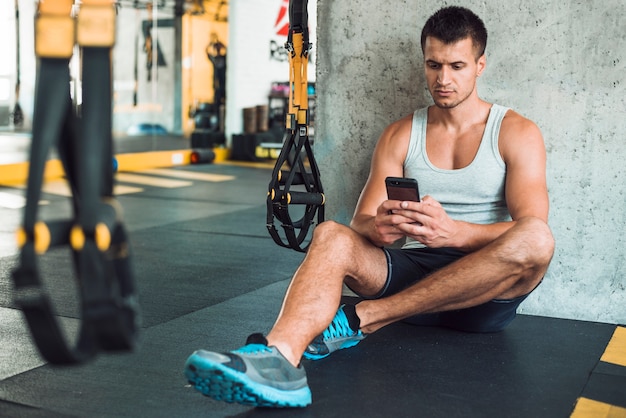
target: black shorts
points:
(408, 266)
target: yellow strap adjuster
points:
(41, 237)
(96, 24)
(55, 29)
(55, 7)
(102, 237)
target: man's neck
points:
(459, 117)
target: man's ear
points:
(480, 65)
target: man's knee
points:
(538, 241)
(528, 249)
(331, 234)
(328, 229)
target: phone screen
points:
(399, 188)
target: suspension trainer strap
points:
(296, 165)
(109, 296)
(96, 236)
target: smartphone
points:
(402, 188)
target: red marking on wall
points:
(282, 21)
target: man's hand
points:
(386, 221)
(426, 222)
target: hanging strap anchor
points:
(296, 165)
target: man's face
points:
(451, 70)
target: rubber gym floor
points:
(208, 274)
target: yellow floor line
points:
(615, 352)
(11, 174)
(587, 408)
(151, 181)
(18, 173)
(143, 160)
(189, 175)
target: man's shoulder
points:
(518, 131)
(515, 120)
(400, 126)
(395, 138)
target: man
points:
(477, 244)
(216, 53)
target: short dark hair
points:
(452, 24)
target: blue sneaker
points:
(337, 336)
(255, 375)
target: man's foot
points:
(255, 375)
(337, 336)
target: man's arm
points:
(525, 156)
(387, 160)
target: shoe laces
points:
(339, 327)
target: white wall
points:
(251, 66)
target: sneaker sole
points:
(225, 384)
(345, 344)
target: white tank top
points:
(474, 193)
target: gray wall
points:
(560, 64)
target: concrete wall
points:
(560, 64)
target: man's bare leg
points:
(336, 252)
(511, 266)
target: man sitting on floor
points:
(476, 245)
